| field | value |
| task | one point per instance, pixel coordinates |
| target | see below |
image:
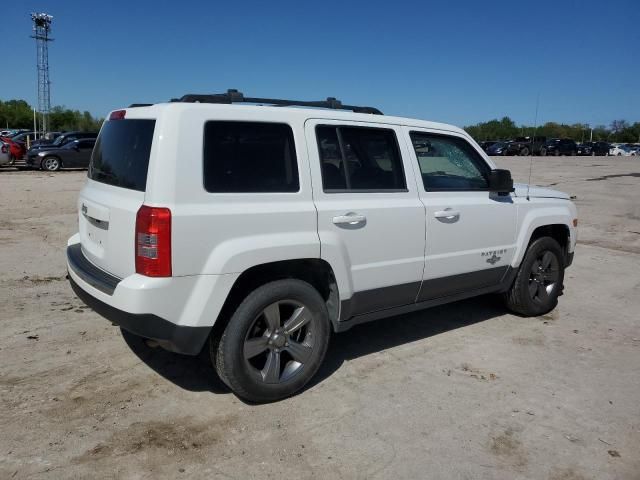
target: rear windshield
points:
(121, 154)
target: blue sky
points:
(459, 62)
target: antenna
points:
(42, 28)
(535, 130)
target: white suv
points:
(255, 231)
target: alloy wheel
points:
(51, 164)
(543, 277)
(280, 342)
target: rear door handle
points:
(447, 213)
(349, 219)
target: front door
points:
(471, 233)
(370, 218)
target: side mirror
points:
(500, 181)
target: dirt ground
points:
(464, 391)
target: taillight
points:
(153, 241)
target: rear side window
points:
(359, 159)
(121, 154)
(243, 157)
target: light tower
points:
(42, 28)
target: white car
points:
(254, 231)
(620, 150)
(5, 156)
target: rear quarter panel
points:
(220, 233)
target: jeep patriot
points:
(254, 228)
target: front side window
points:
(359, 159)
(86, 144)
(249, 157)
(449, 163)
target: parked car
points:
(73, 154)
(498, 148)
(525, 145)
(16, 149)
(46, 139)
(26, 138)
(485, 145)
(620, 151)
(559, 146)
(64, 138)
(5, 156)
(593, 148)
(234, 251)
(11, 132)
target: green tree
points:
(19, 114)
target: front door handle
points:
(447, 214)
(349, 219)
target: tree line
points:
(19, 114)
(505, 129)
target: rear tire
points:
(274, 343)
(524, 152)
(543, 152)
(539, 281)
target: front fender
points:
(534, 215)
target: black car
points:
(64, 139)
(559, 146)
(594, 148)
(498, 148)
(486, 145)
(47, 139)
(526, 145)
(74, 154)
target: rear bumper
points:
(164, 309)
(172, 337)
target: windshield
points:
(59, 140)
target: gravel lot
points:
(464, 391)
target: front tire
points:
(538, 283)
(274, 343)
(50, 164)
(543, 152)
(524, 152)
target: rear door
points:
(370, 218)
(110, 200)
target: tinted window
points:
(358, 158)
(121, 153)
(449, 163)
(249, 157)
(86, 144)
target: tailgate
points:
(109, 202)
(107, 222)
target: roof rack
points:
(234, 96)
